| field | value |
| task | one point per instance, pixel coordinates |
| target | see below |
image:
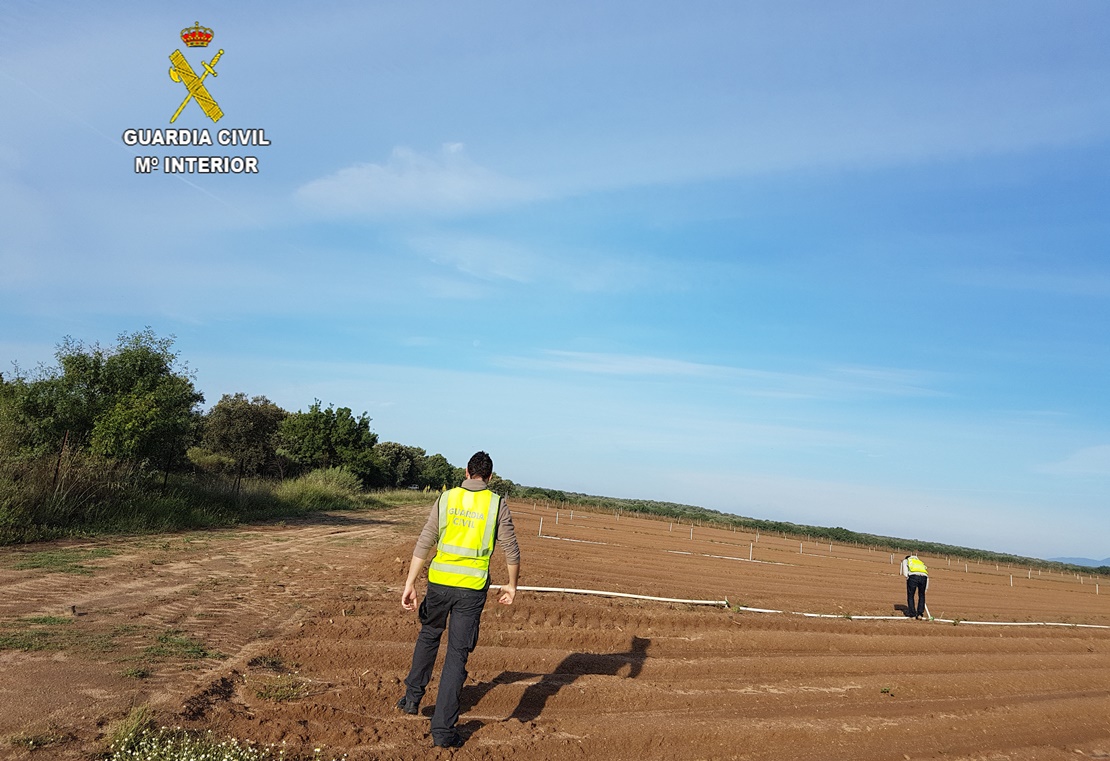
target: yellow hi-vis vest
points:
(467, 522)
(916, 566)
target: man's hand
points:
(508, 591)
(409, 600)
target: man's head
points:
(480, 466)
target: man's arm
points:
(424, 544)
(508, 591)
(408, 597)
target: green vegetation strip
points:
(176, 644)
(137, 738)
(60, 561)
(35, 633)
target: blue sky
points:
(834, 263)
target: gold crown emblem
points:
(196, 36)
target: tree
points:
(324, 438)
(438, 473)
(244, 430)
(402, 464)
(502, 486)
(130, 403)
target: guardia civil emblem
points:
(196, 36)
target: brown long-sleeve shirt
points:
(506, 534)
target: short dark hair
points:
(480, 466)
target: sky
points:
(841, 264)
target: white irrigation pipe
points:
(727, 604)
(600, 593)
(565, 539)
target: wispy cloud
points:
(410, 182)
(583, 270)
(482, 257)
(838, 381)
(1089, 461)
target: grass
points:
(105, 500)
(47, 620)
(61, 561)
(138, 738)
(278, 689)
(38, 633)
(35, 741)
(174, 643)
(44, 633)
(268, 662)
(282, 689)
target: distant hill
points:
(1083, 561)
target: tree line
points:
(129, 418)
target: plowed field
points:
(294, 633)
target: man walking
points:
(917, 580)
(465, 522)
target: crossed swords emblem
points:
(182, 72)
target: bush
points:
(322, 489)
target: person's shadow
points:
(537, 694)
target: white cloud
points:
(838, 382)
(584, 270)
(484, 258)
(410, 182)
(1090, 461)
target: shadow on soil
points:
(536, 695)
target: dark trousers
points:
(459, 611)
(916, 582)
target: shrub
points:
(321, 489)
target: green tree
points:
(133, 402)
(438, 473)
(402, 464)
(502, 486)
(324, 438)
(244, 430)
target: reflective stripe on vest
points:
(916, 566)
(467, 523)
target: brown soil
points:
(294, 633)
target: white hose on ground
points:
(727, 604)
(615, 594)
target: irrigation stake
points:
(750, 545)
(541, 526)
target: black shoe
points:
(406, 705)
(454, 741)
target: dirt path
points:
(294, 633)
